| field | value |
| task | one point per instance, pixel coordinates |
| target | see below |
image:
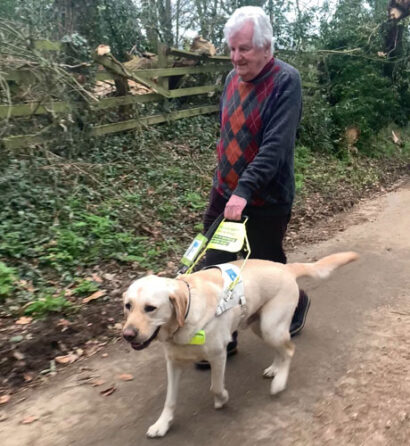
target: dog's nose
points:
(129, 334)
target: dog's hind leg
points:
(274, 327)
(279, 370)
(218, 364)
(162, 425)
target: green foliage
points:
(362, 96)
(318, 129)
(119, 199)
(117, 23)
(7, 280)
(113, 22)
(194, 200)
(7, 9)
(47, 303)
(85, 288)
(359, 91)
(303, 160)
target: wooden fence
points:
(156, 79)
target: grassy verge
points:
(134, 202)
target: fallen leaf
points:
(28, 378)
(109, 276)
(97, 382)
(92, 350)
(29, 420)
(66, 359)
(94, 296)
(18, 355)
(96, 278)
(26, 285)
(79, 352)
(108, 391)
(4, 399)
(24, 320)
(63, 323)
(126, 377)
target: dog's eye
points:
(149, 308)
(127, 306)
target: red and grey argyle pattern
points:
(241, 113)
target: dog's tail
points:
(323, 267)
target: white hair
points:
(262, 29)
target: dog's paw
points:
(279, 383)
(221, 400)
(270, 372)
(158, 429)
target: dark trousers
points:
(265, 234)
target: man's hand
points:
(234, 208)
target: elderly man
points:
(260, 111)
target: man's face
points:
(247, 60)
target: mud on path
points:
(349, 381)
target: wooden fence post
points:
(162, 63)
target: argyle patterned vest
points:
(245, 110)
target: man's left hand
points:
(234, 208)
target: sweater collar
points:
(266, 69)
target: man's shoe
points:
(299, 317)
(231, 349)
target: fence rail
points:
(156, 79)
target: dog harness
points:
(233, 289)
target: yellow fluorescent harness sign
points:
(228, 237)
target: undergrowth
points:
(127, 201)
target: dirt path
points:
(349, 381)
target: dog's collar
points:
(189, 298)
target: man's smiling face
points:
(247, 59)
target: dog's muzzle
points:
(130, 334)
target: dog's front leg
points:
(162, 425)
(221, 395)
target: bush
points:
(7, 281)
(48, 303)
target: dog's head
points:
(150, 303)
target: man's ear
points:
(179, 300)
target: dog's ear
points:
(179, 300)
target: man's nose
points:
(129, 334)
(235, 55)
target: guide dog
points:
(174, 310)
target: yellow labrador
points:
(174, 310)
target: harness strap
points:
(233, 293)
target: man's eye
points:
(127, 306)
(149, 308)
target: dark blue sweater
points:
(255, 151)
